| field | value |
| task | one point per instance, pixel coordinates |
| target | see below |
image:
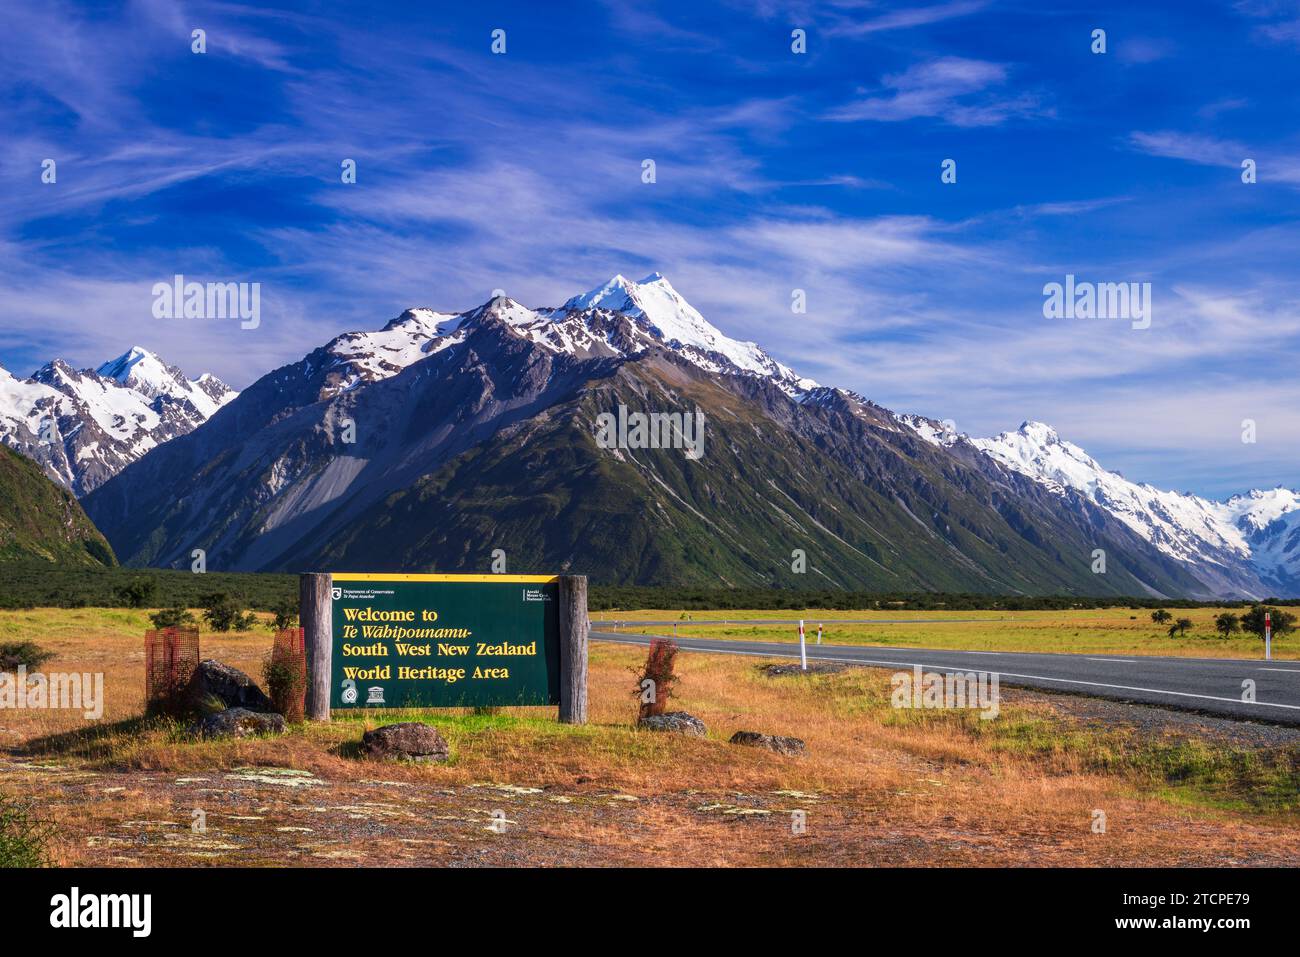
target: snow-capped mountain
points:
(677, 324)
(84, 426)
(1250, 542)
(618, 318)
(476, 430)
(1019, 512)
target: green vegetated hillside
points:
(41, 521)
(871, 508)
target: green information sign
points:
(444, 641)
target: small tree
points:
(285, 615)
(225, 612)
(1181, 627)
(177, 616)
(654, 684)
(137, 593)
(1161, 616)
(1253, 621)
(1227, 624)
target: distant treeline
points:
(40, 584)
(633, 598)
(43, 585)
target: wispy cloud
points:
(960, 91)
(1212, 151)
(903, 18)
(523, 172)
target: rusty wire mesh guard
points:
(170, 657)
(287, 676)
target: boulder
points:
(408, 741)
(214, 683)
(678, 721)
(238, 723)
(773, 742)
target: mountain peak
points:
(140, 367)
(1035, 428)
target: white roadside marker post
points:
(819, 634)
(803, 648)
(1268, 636)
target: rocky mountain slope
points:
(1247, 545)
(433, 441)
(84, 426)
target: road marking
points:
(1290, 671)
(1007, 674)
(1122, 661)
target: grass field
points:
(879, 786)
(1111, 630)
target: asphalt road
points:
(1210, 685)
(810, 624)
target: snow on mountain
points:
(677, 324)
(619, 318)
(1252, 540)
(1184, 526)
(145, 373)
(83, 426)
(369, 356)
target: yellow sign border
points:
(396, 576)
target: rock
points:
(409, 740)
(814, 668)
(678, 721)
(773, 742)
(238, 723)
(228, 686)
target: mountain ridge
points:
(83, 426)
(439, 400)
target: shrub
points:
(28, 653)
(1227, 623)
(225, 612)
(660, 664)
(285, 614)
(1253, 621)
(1181, 626)
(24, 840)
(1161, 616)
(174, 617)
(286, 685)
(137, 593)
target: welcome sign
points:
(443, 641)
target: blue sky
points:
(775, 171)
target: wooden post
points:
(316, 613)
(574, 626)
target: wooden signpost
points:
(393, 640)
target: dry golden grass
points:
(878, 786)
(1082, 631)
